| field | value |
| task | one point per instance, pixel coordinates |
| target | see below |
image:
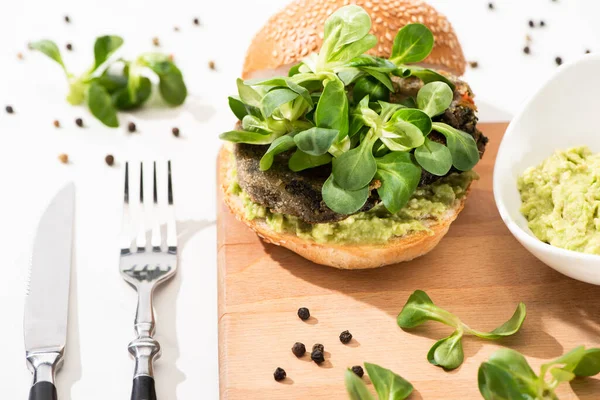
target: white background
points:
(97, 363)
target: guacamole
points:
(561, 199)
(375, 226)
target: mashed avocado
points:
(561, 200)
(377, 225)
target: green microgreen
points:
(334, 108)
(111, 85)
(388, 385)
(507, 374)
(448, 352)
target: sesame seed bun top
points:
(297, 31)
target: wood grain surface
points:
(479, 272)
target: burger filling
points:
(352, 148)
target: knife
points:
(47, 302)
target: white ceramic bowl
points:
(563, 113)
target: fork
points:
(145, 269)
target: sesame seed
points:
(155, 41)
(63, 158)
(211, 64)
(20, 56)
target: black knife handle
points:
(143, 388)
(44, 391)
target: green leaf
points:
(514, 363)
(123, 100)
(352, 50)
(101, 105)
(343, 201)
(412, 44)
(237, 107)
(388, 109)
(388, 385)
(275, 98)
(562, 375)
(419, 308)
(354, 169)
(427, 75)
(295, 70)
(50, 49)
(382, 77)
(434, 157)
(589, 365)
(279, 145)
(349, 75)
(316, 141)
(248, 137)
(448, 352)
(332, 109)
(111, 82)
(248, 95)
(356, 387)
(77, 90)
(373, 62)
(434, 98)
(284, 83)
(300, 161)
(348, 24)
(172, 87)
(508, 328)
(399, 179)
(406, 129)
(496, 383)
(104, 47)
(462, 146)
(369, 86)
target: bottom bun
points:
(343, 256)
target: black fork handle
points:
(143, 388)
(45, 391)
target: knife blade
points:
(47, 302)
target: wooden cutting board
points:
(479, 272)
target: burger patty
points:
(284, 191)
(299, 193)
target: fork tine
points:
(126, 223)
(156, 236)
(141, 236)
(171, 225)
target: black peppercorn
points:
(491, 6)
(196, 21)
(317, 356)
(558, 60)
(318, 346)
(358, 370)
(79, 122)
(9, 109)
(175, 131)
(299, 349)
(345, 337)
(67, 19)
(588, 51)
(473, 64)
(110, 160)
(542, 23)
(526, 50)
(531, 23)
(131, 127)
(176, 28)
(69, 46)
(303, 313)
(279, 374)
